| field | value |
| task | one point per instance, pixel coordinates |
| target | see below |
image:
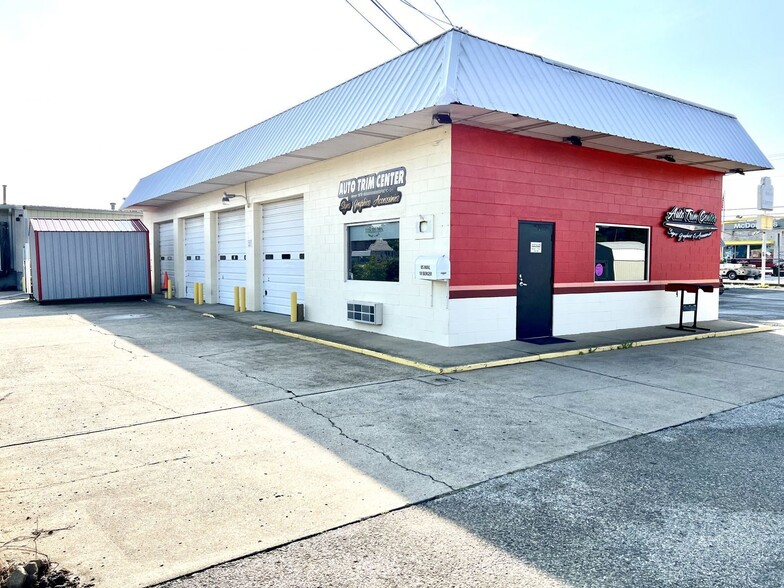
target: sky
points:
(95, 95)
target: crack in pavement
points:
(244, 405)
(101, 475)
(129, 393)
(246, 374)
(343, 434)
(294, 397)
(628, 380)
(129, 351)
(6, 396)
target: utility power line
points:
(444, 13)
(436, 21)
(385, 12)
(374, 26)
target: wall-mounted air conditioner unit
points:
(370, 313)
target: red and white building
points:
(464, 192)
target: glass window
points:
(374, 252)
(621, 253)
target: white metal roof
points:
(85, 225)
(477, 83)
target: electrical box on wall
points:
(433, 267)
(424, 226)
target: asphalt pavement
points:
(699, 505)
(142, 442)
(747, 303)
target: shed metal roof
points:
(82, 225)
(478, 83)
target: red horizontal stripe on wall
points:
(598, 288)
(483, 292)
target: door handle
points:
(520, 280)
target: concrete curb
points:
(511, 361)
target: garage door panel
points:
(231, 254)
(285, 226)
(166, 250)
(284, 252)
(194, 253)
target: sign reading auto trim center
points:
(379, 189)
(687, 224)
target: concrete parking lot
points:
(154, 442)
(697, 505)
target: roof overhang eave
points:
(410, 124)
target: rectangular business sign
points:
(377, 189)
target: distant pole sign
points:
(687, 224)
(765, 194)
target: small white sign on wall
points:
(536, 246)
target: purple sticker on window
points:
(599, 270)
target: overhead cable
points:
(374, 26)
(435, 20)
(444, 13)
(386, 13)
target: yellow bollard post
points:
(201, 292)
(197, 293)
(293, 307)
(169, 290)
(242, 299)
(236, 298)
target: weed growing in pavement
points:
(20, 557)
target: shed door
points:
(166, 250)
(231, 254)
(194, 253)
(284, 254)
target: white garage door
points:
(284, 254)
(166, 250)
(194, 253)
(231, 254)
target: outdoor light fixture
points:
(574, 140)
(668, 157)
(227, 198)
(442, 118)
(737, 170)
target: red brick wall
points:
(498, 179)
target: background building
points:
(743, 240)
(15, 234)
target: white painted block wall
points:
(411, 305)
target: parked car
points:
(739, 271)
(773, 267)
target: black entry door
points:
(535, 279)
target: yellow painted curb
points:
(360, 350)
(514, 360)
